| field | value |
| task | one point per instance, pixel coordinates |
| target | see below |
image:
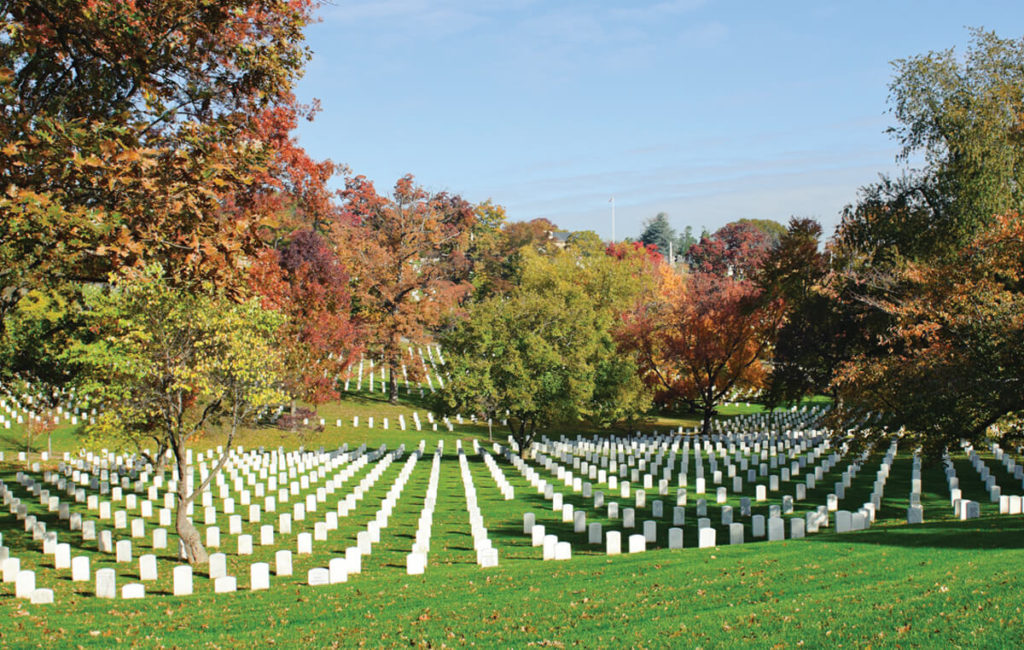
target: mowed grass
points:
(944, 583)
(953, 584)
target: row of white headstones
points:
(15, 410)
(245, 544)
(1009, 504)
(487, 555)
(20, 411)
(336, 572)
(774, 527)
(79, 565)
(845, 520)
(431, 371)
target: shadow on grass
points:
(16, 444)
(997, 532)
(410, 400)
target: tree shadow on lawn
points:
(15, 444)
(996, 532)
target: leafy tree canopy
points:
(168, 362)
(544, 353)
(953, 365)
(140, 131)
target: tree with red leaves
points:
(291, 190)
(622, 249)
(734, 249)
(398, 250)
(305, 281)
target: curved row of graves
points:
(102, 524)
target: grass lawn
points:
(945, 582)
(941, 584)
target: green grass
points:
(943, 583)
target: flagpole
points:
(613, 218)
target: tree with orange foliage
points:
(397, 249)
(954, 362)
(131, 133)
(701, 337)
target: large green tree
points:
(544, 352)
(963, 115)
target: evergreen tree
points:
(657, 231)
(685, 240)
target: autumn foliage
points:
(138, 131)
(703, 336)
(304, 280)
(620, 250)
(738, 248)
(399, 251)
(954, 362)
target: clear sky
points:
(706, 110)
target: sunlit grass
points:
(944, 582)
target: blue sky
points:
(708, 111)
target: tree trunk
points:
(160, 459)
(523, 438)
(194, 549)
(709, 412)
(392, 383)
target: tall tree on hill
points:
(397, 250)
(702, 337)
(962, 115)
